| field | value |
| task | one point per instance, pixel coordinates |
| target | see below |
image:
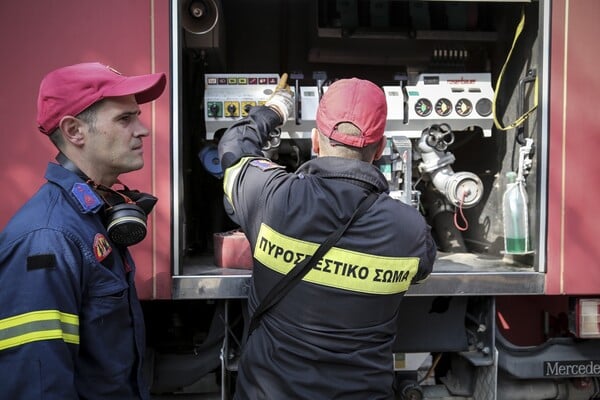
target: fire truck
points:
(491, 133)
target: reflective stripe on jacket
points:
(71, 325)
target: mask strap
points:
(106, 189)
(68, 164)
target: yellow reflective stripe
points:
(39, 316)
(230, 176)
(38, 336)
(339, 268)
(38, 325)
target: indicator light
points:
(587, 318)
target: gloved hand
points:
(282, 99)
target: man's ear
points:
(72, 129)
(315, 140)
(380, 147)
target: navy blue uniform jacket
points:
(71, 326)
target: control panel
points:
(229, 97)
(460, 101)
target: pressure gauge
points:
(443, 107)
(423, 107)
(463, 107)
(484, 107)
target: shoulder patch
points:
(265, 165)
(87, 198)
(102, 248)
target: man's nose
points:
(142, 130)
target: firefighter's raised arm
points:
(247, 136)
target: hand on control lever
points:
(282, 99)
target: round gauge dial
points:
(463, 107)
(443, 107)
(483, 107)
(423, 107)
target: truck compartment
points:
(446, 72)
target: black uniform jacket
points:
(331, 336)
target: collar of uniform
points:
(347, 169)
(68, 180)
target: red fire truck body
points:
(489, 323)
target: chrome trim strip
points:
(544, 118)
(236, 285)
(175, 131)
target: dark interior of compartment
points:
(376, 40)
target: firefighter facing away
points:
(331, 334)
(71, 325)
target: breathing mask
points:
(125, 211)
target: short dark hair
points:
(88, 116)
(342, 150)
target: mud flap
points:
(486, 380)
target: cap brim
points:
(145, 87)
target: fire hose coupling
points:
(462, 189)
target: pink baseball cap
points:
(70, 90)
(357, 101)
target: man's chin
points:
(134, 166)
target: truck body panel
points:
(131, 36)
(482, 313)
(572, 231)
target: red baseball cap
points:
(70, 90)
(357, 101)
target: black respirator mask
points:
(125, 211)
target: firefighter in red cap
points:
(71, 325)
(330, 335)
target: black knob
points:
(213, 109)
